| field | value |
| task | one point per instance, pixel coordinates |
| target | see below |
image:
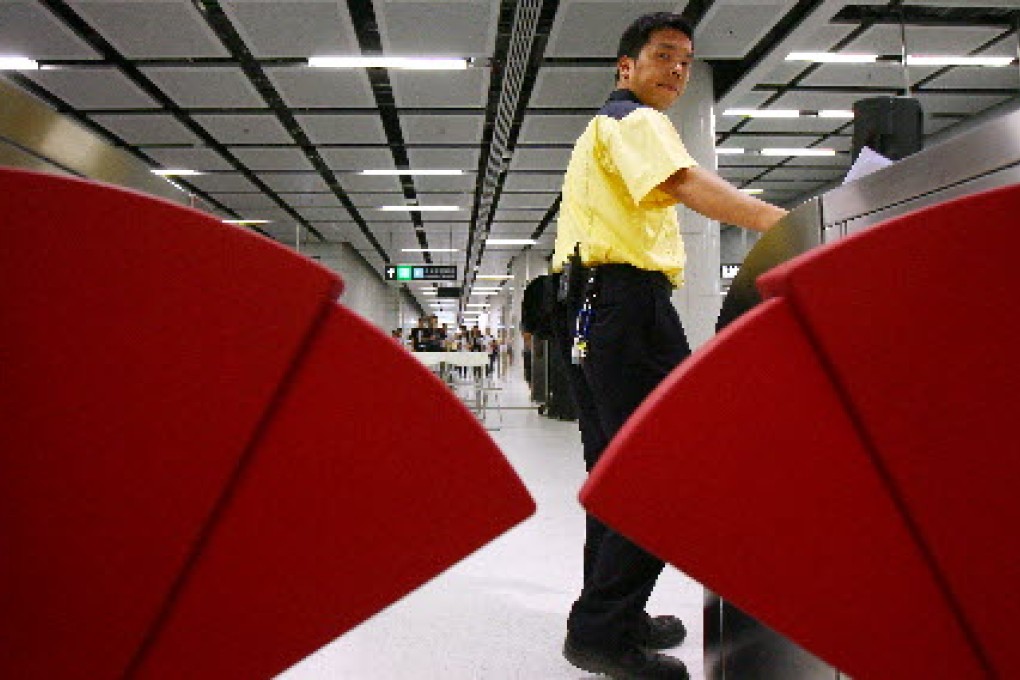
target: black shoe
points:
(630, 663)
(662, 632)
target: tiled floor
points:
(500, 613)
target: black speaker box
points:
(892, 126)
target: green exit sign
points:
(419, 272)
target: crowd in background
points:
(431, 336)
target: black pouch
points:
(571, 288)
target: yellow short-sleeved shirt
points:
(610, 203)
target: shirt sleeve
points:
(646, 150)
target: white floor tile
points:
(501, 612)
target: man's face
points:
(660, 73)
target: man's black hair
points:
(637, 34)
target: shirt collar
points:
(623, 95)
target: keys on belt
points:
(582, 325)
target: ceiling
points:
(222, 86)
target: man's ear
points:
(624, 65)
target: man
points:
(627, 172)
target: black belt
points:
(628, 272)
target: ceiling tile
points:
(957, 103)
(244, 129)
(201, 158)
(454, 28)
(572, 87)
(251, 201)
(441, 88)
(28, 29)
(207, 86)
(140, 29)
(297, 181)
(813, 125)
(337, 213)
(293, 28)
(444, 159)
(147, 129)
(886, 39)
(316, 87)
(354, 182)
(553, 129)
(539, 201)
(533, 182)
(584, 29)
(459, 184)
(439, 129)
(540, 159)
(357, 158)
(310, 200)
(729, 30)
(230, 182)
(93, 88)
(273, 158)
(346, 129)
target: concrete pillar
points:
(699, 300)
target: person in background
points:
(419, 335)
(627, 172)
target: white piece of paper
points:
(868, 161)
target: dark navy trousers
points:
(636, 340)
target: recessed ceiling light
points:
(246, 222)
(511, 242)
(18, 64)
(409, 171)
(763, 113)
(945, 60)
(176, 172)
(412, 63)
(798, 152)
(835, 113)
(832, 58)
(419, 208)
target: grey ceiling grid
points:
(223, 86)
(60, 9)
(225, 31)
(726, 74)
(528, 33)
(367, 30)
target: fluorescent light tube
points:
(729, 151)
(18, 64)
(419, 208)
(753, 191)
(832, 58)
(430, 250)
(412, 63)
(763, 113)
(940, 60)
(835, 113)
(798, 152)
(494, 277)
(511, 242)
(246, 222)
(176, 172)
(409, 171)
